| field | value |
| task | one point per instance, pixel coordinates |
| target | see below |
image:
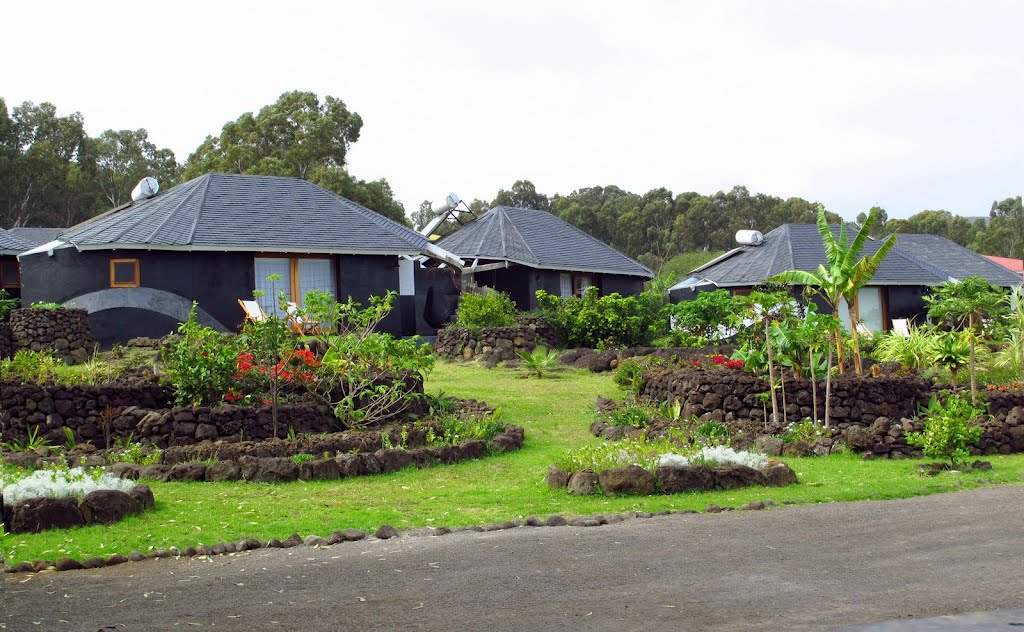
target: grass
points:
(556, 413)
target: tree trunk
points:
(854, 321)
(839, 341)
(771, 373)
(828, 389)
(814, 389)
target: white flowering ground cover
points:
(716, 455)
(57, 483)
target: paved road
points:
(801, 568)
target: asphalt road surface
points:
(818, 567)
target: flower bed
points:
(63, 498)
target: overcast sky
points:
(906, 105)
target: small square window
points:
(124, 273)
(9, 276)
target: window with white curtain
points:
(297, 276)
(565, 285)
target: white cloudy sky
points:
(908, 105)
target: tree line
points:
(54, 174)
(659, 225)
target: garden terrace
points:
(871, 414)
(64, 331)
(599, 361)
(494, 344)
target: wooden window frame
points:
(17, 274)
(293, 270)
(577, 283)
(113, 280)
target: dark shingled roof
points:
(915, 260)
(37, 236)
(537, 239)
(220, 211)
(11, 244)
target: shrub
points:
(7, 303)
(629, 416)
(455, 430)
(607, 321)
(704, 316)
(915, 351)
(949, 429)
(490, 309)
(629, 375)
(713, 432)
(200, 362)
(805, 431)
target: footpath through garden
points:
(815, 567)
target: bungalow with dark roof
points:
(216, 239)
(915, 263)
(519, 251)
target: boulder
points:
(736, 476)
(125, 470)
(40, 514)
(156, 472)
(583, 483)
(796, 448)
(108, 505)
(386, 532)
(269, 470)
(631, 479)
(767, 444)
(557, 478)
(858, 438)
(187, 472)
(393, 460)
(674, 479)
(220, 471)
(143, 495)
(778, 474)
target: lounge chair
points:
(901, 326)
(253, 311)
(300, 324)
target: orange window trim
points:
(113, 279)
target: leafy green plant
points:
(487, 309)
(949, 429)
(605, 322)
(629, 416)
(31, 443)
(713, 432)
(45, 305)
(629, 375)
(804, 431)
(299, 459)
(703, 317)
(7, 303)
(455, 430)
(539, 361)
(291, 433)
(951, 351)
(70, 442)
(199, 362)
(129, 451)
(914, 351)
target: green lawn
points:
(555, 412)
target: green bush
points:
(7, 304)
(629, 416)
(949, 429)
(455, 430)
(539, 361)
(490, 309)
(629, 376)
(701, 317)
(605, 322)
(200, 363)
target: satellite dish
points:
(145, 189)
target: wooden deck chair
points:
(253, 311)
(300, 324)
(862, 329)
(901, 326)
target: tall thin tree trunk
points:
(828, 389)
(771, 373)
(839, 340)
(814, 389)
(854, 321)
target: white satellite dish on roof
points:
(146, 188)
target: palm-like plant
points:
(844, 275)
(541, 360)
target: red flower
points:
(231, 397)
(696, 363)
(718, 359)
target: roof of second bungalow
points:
(537, 239)
(914, 260)
(220, 211)
(11, 244)
(37, 235)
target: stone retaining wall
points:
(6, 342)
(64, 331)
(99, 507)
(494, 344)
(872, 414)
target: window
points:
(124, 273)
(565, 285)
(9, 275)
(580, 283)
(297, 277)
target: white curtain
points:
(266, 266)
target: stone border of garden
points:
(494, 344)
(284, 469)
(599, 361)
(384, 532)
(669, 479)
(103, 506)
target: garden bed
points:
(670, 479)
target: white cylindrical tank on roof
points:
(146, 188)
(450, 202)
(749, 237)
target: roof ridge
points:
(184, 199)
(921, 263)
(522, 239)
(199, 212)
